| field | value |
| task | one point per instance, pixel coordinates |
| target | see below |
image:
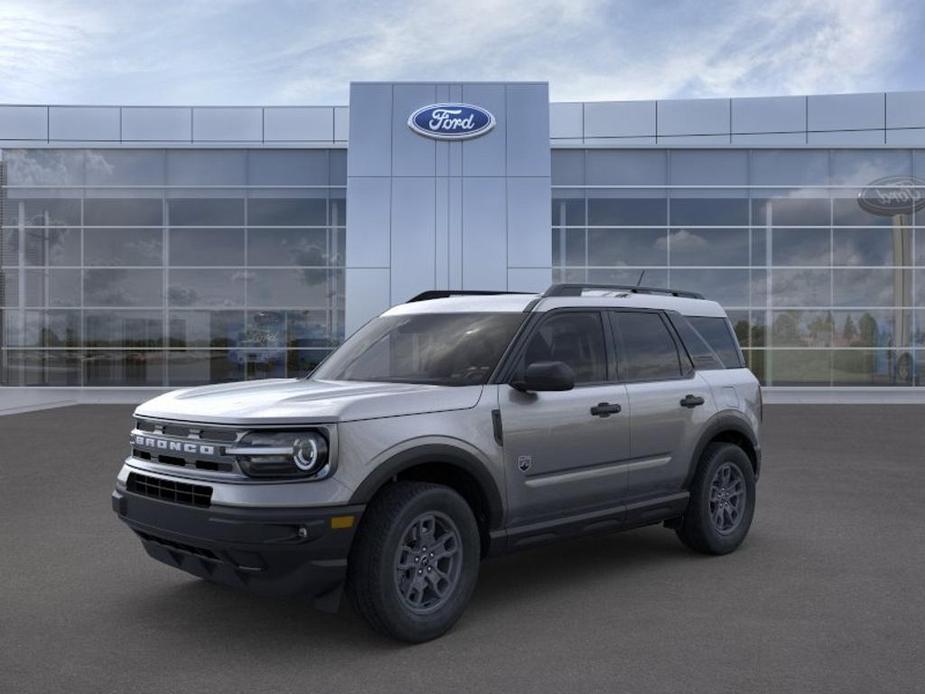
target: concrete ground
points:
(826, 595)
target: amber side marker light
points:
(341, 522)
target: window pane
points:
(568, 211)
(205, 328)
(869, 287)
(123, 287)
(617, 247)
(287, 212)
(289, 247)
(800, 247)
(646, 277)
(213, 212)
(862, 166)
(801, 329)
(871, 247)
(709, 167)
(847, 212)
(798, 367)
(577, 339)
(40, 212)
(9, 247)
(861, 367)
(568, 167)
(138, 212)
(309, 288)
(728, 287)
(647, 350)
(125, 167)
(206, 167)
(197, 368)
(786, 167)
(701, 353)
(288, 167)
(604, 211)
(52, 329)
(37, 368)
(207, 287)
(626, 167)
(52, 288)
(708, 247)
(44, 167)
(709, 211)
(204, 247)
(124, 328)
(301, 362)
(791, 211)
(873, 328)
(124, 247)
(113, 368)
(52, 246)
(801, 287)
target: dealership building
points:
(145, 248)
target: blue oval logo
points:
(893, 195)
(451, 121)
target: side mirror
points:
(546, 375)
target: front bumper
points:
(274, 551)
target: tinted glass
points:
(647, 350)
(718, 334)
(576, 339)
(449, 349)
(703, 355)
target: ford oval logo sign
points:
(893, 195)
(451, 121)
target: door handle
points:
(605, 409)
(691, 400)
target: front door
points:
(564, 450)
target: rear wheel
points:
(415, 561)
(722, 501)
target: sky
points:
(278, 52)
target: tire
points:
(707, 526)
(386, 589)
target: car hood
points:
(301, 401)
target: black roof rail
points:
(575, 289)
(446, 293)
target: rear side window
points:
(718, 334)
(646, 349)
(701, 353)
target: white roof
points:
(516, 303)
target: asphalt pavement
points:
(826, 595)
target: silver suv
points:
(453, 427)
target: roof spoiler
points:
(576, 289)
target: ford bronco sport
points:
(453, 427)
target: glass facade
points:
(822, 292)
(169, 267)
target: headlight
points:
(283, 454)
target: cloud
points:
(286, 52)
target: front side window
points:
(577, 339)
(447, 349)
(648, 351)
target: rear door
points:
(669, 402)
(564, 451)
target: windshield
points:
(447, 349)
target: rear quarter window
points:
(718, 334)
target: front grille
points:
(169, 490)
(185, 445)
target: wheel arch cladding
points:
(727, 429)
(447, 465)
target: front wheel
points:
(415, 561)
(722, 501)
